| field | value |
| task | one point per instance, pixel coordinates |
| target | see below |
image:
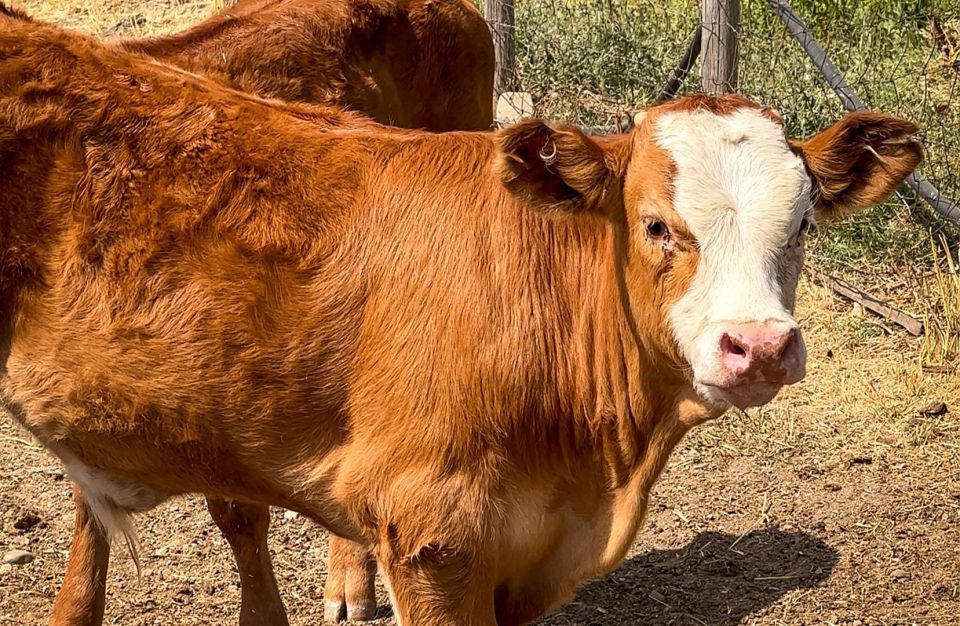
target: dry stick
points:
(787, 577)
(696, 619)
(683, 68)
(764, 518)
(692, 617)
(20, 441)
(881, 308)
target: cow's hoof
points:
(362, 611)
(335, 611)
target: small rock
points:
(6, 568)
(898, 574)
(17, 557)
(289, 516)
(934, 409)
(131, 21)
(657, 596)
(161, 551)
(513, 106)
(26, 522)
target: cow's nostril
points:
(728, 345)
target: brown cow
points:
(471, 352)
(411, 63)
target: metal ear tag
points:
(548, 154)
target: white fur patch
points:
(742, 193)
(111, 501)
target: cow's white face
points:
(745, 197)
(717, 200)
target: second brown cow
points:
(410, 63)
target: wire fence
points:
(595, 62)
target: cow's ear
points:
(859, 161)
(557, 166)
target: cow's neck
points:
(625, 405)
(632, 403)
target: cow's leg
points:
(245, 528)
(351, 574)
(81, 599)
(434, 588)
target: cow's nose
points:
(761, 352)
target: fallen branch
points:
(870, 303)
(23, 442)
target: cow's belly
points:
(139, 436)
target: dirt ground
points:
(837, 504)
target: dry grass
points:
(107, 18)
(941, 346)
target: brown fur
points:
(83, 603)
(723, 105)
(349, 592)
(245, 527)
(389, 331)
(414, 63)
(411, 63)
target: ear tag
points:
(548, 154)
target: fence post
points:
(499, 16)
(720, 23)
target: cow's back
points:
(410, 63)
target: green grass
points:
(591, 61)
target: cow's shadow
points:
(716, 579)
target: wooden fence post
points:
(499, 16)
(720, 23)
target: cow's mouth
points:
(745, 395)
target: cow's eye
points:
(658, 230)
